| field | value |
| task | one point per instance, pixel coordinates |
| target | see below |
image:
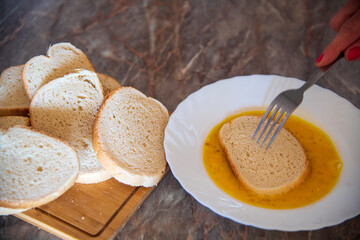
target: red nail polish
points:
(354, 53)
(319, 58)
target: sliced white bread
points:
(61, 59)
(274, 171)
(11, 121)
(128, 137)
(66, 108)
(35, 169)
(108, 83)
(13, 98)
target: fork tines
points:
(277, 112)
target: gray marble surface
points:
(169, 49)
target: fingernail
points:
(354, 53)
(319, 58)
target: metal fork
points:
(285, 104)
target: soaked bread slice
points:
(13, 98)
(33, 172)
(61, 59)
(128, 137)
(66, 108)
(276, 170)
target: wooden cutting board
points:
(89, 211)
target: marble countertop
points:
(167, 50)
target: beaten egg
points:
(325, 162)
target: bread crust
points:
(109, 84)
(14, 111)
(91, 178)
(9, 211)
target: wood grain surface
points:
(89, 211)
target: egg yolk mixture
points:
(325, 162)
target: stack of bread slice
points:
(66, 108)
(59, 95)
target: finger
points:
(344, 14)
(352, 53)
(348, 34)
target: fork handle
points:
(320, 73)
(312, 80)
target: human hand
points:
(346, 22)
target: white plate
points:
(193, 119)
